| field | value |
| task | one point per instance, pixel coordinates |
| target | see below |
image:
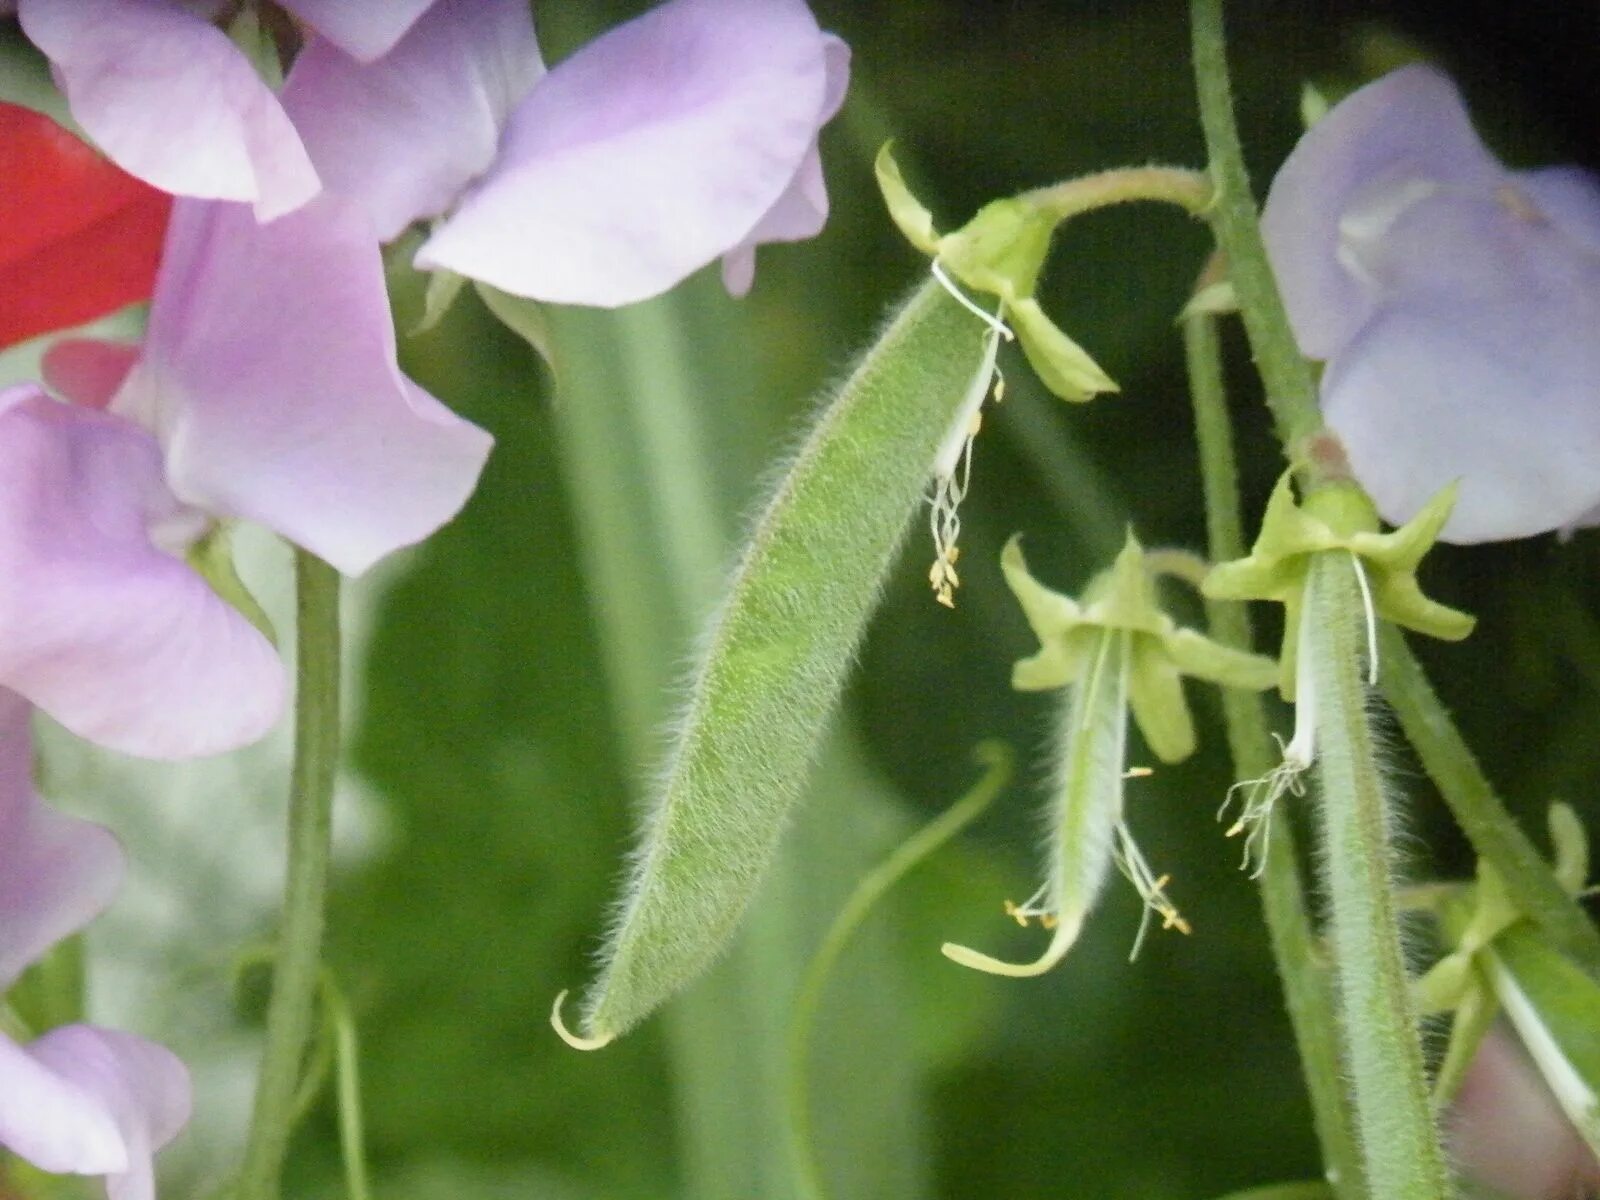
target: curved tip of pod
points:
(1066, 934)
(596, 1042)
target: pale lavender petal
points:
(171, 100)
(1380, 149)
(1499, 395)
(644, 156)
(56, 872)
(1569, 198)
(54, 1123)
(119, 640)
(365, 31)
(269, 374)
(405, 135)
(142, 1088)
(802, 210)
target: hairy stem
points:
(1189, 189)
(1389, 1090)
(1291, 387)
(297, 966)
(1300, 967)
(1494, 834)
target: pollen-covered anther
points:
(1138, 772)
(1152, 889)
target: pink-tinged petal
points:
(94, 1076)
(405, 135)
(1498, 394)
(56, 872)
(172, 101)
(1379, 150)
(363, 31)
(269, 374)
(119, 640)
(644, 156)
(1569, 198)
(87, 371)
(802, 210)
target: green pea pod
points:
(1555, 1007)
(778, 650)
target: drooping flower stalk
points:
(297, 969)
(1388, 1086)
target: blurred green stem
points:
(1300, 968)
(1291, 387)
(297, 966)
(996, 757)
(1483, 817)
(1190, 190)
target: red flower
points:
(78, 236)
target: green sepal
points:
(1570, 842)
(1339, 517)
(1123, 598)
(525, 318)
(1001, 251)
(905, 210)
(443, 289)
(256, 43)
(212, 558)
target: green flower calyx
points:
(1339, 517)
(1001, 251)
(1123, 599)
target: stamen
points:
(576, 1041)
(1261, 796)
(1152, 889)
(1372, 620)
(991, 320)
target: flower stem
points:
(297, 967)
(1389, 1090)
(1291, 387)
(1300, 967)
(1188, 189)
(1494, 834)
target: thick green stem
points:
(1291, 387)
(1389, 1090)
(297, 967)
(1494, 834)
(1300, 967)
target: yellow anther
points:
(1015, 912)
(1138, 772)
(1049, 921)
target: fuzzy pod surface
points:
(770, 668)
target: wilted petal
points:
(111, 635)
(646, 155)
(90, 1101)
(1498, 395)
(405, 135)
(363, 31)
(172, 101)
(802, 210)
(1379, 150)
(269, 374)
(56, 872)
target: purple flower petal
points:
(1499, 394)
(1379, 150)
(1569, 198)
(363, 31)
(172, 101)
(646, 155)
(405, 135)
(56, 872)
(802, 210)
(269, 375)
(102, 628)
(90, 1101)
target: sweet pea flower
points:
(1453, 301)
(172, 101)
(78, 1100)
(267, 390)
(685, 135)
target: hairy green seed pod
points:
(771, 666)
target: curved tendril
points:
(576, 1041)
(1066, 933)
